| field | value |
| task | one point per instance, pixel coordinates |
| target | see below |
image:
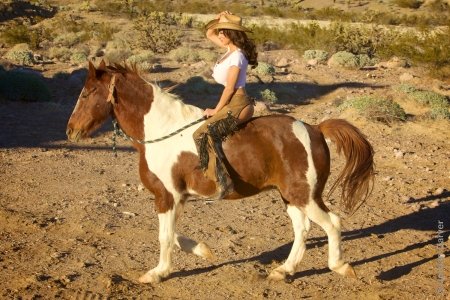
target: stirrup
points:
(229, 189)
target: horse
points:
(269, 152)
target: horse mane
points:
(172, 101)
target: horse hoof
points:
(276, 275)
(149, 278)
(204, 251)
(347, 271)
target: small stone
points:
(129, 213)
(439, 191)
(140, 187)
(435, 203)
(399, 155)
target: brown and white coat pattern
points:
(269, 152)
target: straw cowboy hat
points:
(227, 22)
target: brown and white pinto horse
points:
(276, 151)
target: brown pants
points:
(215, 130)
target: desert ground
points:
(75, 222)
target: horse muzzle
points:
(74, 136)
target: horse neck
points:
(167, 114)
(145, 111)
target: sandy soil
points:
(75, 222)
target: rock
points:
(397, 62)
(406, 77)
(261, 107)
(434, 204)
(140, 187)
(399, 155)
(439, 191)
(312, 62)
(200, 64)
(283, 62)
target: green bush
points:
(319, 55)
(349, 60)
(268, 96)
(62, 53)
(405, 88)
(78, 58)
(264, 69)
(437, 102)
(379, 109)
(184, 54)
(18, 86)
(15, 33)
(198, 85)
(158, 31)
(23, 57)
(207, 55)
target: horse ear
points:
(102, 65)
(92, 70)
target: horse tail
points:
(357, 177)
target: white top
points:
(237, 58)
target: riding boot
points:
(213, 167)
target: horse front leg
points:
(166, 240)
(189, 245)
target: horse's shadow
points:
(423, 220)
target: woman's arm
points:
(228, 91)
(211, 33)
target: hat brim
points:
(214, 24)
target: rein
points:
(119, 131)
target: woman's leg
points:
(246, 114)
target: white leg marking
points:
(190, 246)
(301, 226)
(332, 226)
(166, 239)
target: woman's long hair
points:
(247, 46)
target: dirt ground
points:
(75, 222)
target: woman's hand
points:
(225, 12)
(209, 112)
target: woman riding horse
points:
(234, 106)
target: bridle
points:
(118, 131)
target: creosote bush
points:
(349, 60)
(21, 86)
(437, 102)
(319, 55)
(23, 57)
(264, 69)
(268, 96)
(377, 109)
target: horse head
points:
(92, 108)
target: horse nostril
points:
(68, 131)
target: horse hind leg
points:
(331, 223)
(301, 225)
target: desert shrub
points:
(437, 102)
(349, 60)
(15, 33)
(78, 58)
(198, 85)
(318, 55)
(61, 75)
(67, 40)
(142, 63)
(184, 54)
(264, 69)
(408, 3)
(207, 55)
(158, 32)
(23, 57)
(379, 109)
(405, 88)
(117, 55)
(103, 31)
(62, 53)
(268, 96)
(18, 86)
(360, 39)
